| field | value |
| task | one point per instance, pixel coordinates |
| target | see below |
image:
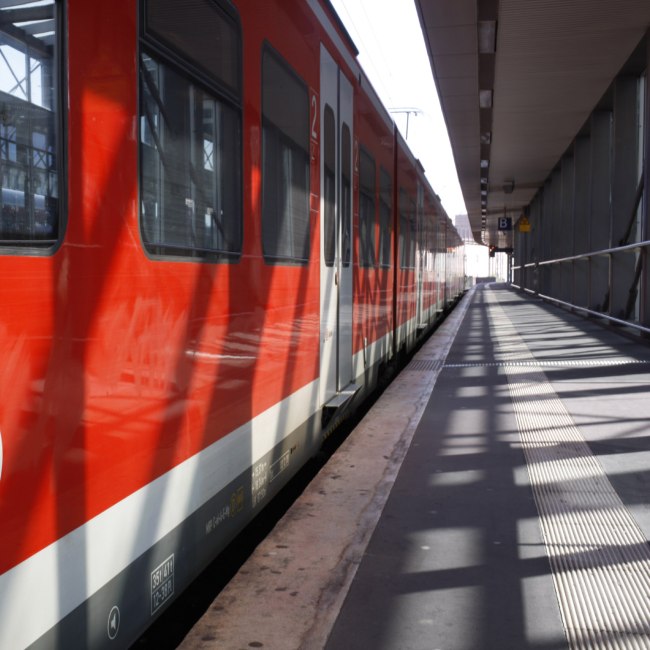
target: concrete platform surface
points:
(497, 496)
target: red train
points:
(212, 241)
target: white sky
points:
(391, 48)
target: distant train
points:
(213, 241)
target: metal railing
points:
(642, 248)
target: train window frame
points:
(47, 162)
(282, 140)
(367, 209)
(212, 230)
(385, 218)
(407, 218)
(328, 234)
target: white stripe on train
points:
(66, 573)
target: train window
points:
(406, 230)
(190, 132)
(346, 198)
(329, 191)
(30, 111)
(385, 203)
(367, 190)
(413, 239)
(285, 163)
(204, 32)
(403, 229)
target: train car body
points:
(212, 240)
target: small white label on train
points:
(162, 583)
(260, 481)
(279, 466)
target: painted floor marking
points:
(599, 556)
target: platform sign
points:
(505, 223)
(524, 224)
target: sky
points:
(392, 52)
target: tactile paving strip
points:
(599, 557)
(423, 365)
(552, 363)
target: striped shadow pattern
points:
(599, 557)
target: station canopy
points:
(517, 81)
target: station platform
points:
(497, 496)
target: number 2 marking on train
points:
(314, 115)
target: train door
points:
(336, 229)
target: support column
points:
(625, 179)
(546, 236)
(520, 257)
(644, 315)
(556, 234)
(535, 239)
(581, 233)
(565, 234)
(527, 242)
(524, 251)
(599, 222)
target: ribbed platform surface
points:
(497, 497)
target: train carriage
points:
(208, 241)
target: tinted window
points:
(190, 142)
(367, 189)
(30, 104)
(329, 191)
(406, 230)
(385, 222)
(285, 153)
(203, 33)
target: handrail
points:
(572, 258)
(590, 312)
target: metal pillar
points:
(565, 233)
(599, 225)
(556, 231)
(581, 231)
(625, 179)
(546, 237)
(535, 240)
(519, 257)
(644, 315)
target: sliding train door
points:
(336, 101)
